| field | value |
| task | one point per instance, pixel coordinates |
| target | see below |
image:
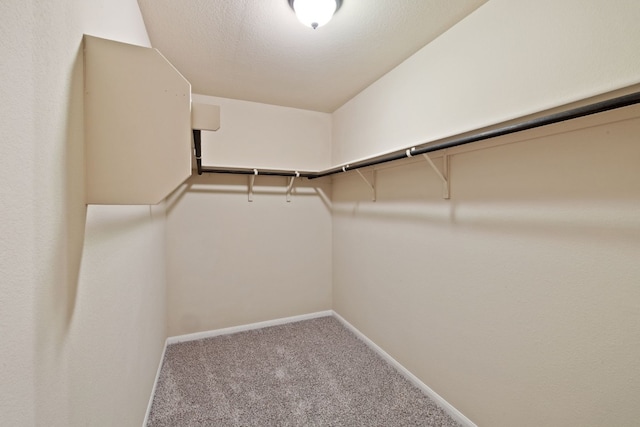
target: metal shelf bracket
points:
(252, 180)
(290, 186)
(372, 185)
(444, 175)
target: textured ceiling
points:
(257, 50)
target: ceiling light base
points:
(315, 14)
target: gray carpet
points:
(309, 373)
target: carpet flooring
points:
(309, 373)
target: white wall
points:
(232, 262)
(518, 299)
(506, 60)
(82, 290)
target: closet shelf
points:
(137, 112)
(573, 113)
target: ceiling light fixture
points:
(315, 13)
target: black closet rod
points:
(598, 107)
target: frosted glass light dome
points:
(314, 13)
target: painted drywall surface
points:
(506, 60)
(120, 310)
(16, 233)
(266, 136)
(82, 291)
(233, 262)
(137, 113)
(517, 300)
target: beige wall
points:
(508, 59)
(232, 262)
(82, 291)
(266, 136)
(518, 299)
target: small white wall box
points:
(137, 113)
(205, 116)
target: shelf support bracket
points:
(444, 175)
(372, 186)
(252, 180)
(197, 145)
(290, 186)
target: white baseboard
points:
(249, 327)
(155, 383)
(449, 408)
